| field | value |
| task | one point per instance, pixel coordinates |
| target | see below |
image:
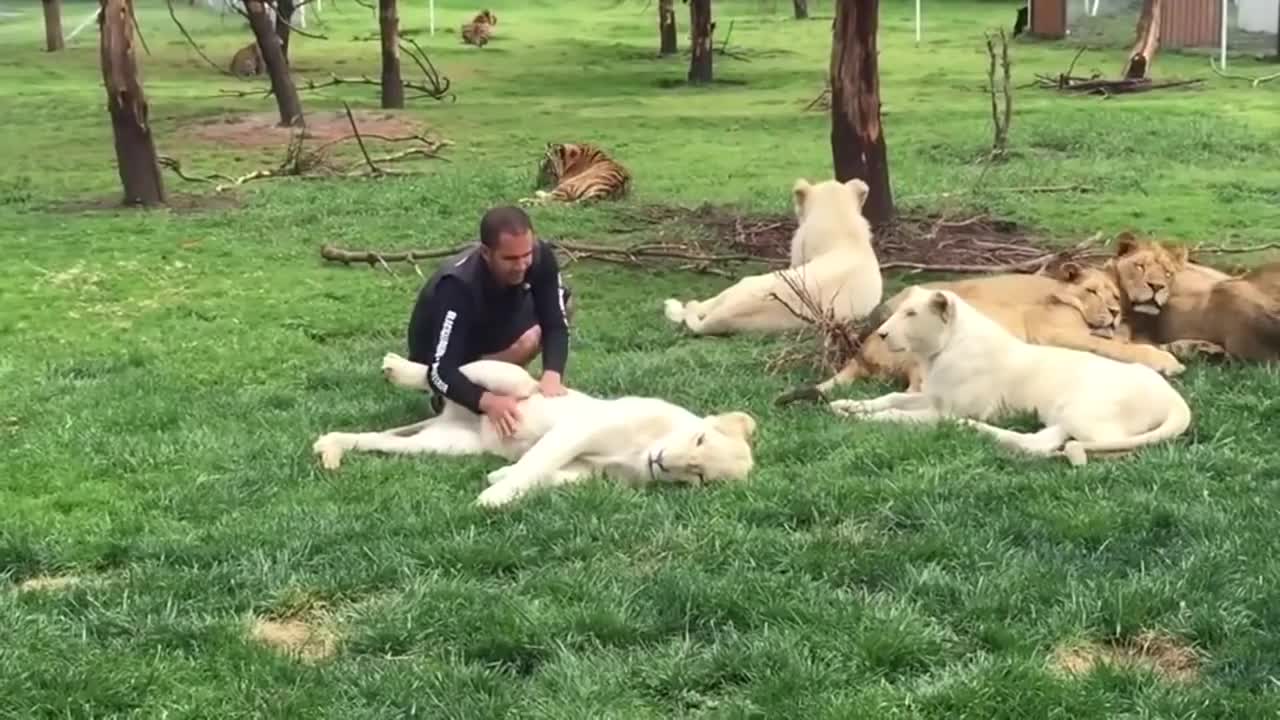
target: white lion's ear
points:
(799, 192)
(940, 305)
(735, 423)
(860, 190)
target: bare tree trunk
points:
(857, 137)
(667, 27)
(1148, 42)
(127, 105)
(53, 25)
(284, 20)
(389, 24)
(282, 86)
(700, 27)
(802, 9)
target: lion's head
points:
(717, 447)
(1145, 270)
(1094, 292)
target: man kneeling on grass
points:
(501, 300)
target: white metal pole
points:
(1223, 60)
(917, 22)
(433, 17)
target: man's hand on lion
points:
(502, 411)
(550, 384)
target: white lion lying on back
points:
(831, 258)
(561, 439)
(975, 370)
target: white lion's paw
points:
(400, 371)
(497, 495)
(848, 407)
(1075, 454)
(330, 447)
(673, 309)
(497, 475)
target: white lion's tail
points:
(1175, 423)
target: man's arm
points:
(451, 317)
(549, 307)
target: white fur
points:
(561, 439)
(831, 259)
(975, 370)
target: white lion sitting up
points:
(831, 259)
(975, 369)
(561, 439)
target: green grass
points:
(162, 376)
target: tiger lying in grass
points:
(480, 29)
(579, 171)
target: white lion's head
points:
(922, 322)
(717, 447)
(828, 216)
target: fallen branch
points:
(299, 162)
(1253, 81)
(1096, 86)
(1211, 250)
(434, 86)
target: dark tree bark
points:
(802, 9)
(282, 86)
(389, 25)
(284, 18)
(127, 105)
(857, 137)
(700, 27)
(667, 27)
(1147, 43)
(53, 25)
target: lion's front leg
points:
(551, 461)
(1140, 353)
(907, 401)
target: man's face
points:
(510, 259)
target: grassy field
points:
(163, 375)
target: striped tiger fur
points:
(480, 29)
(581, 171)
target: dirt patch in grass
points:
(182, 203)
(943, 243)
(309, 640)
(262, 129)
(48, 582)
(1153, 652)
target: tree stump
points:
(127, 104)
(282, 87)
(701, 28)
(1147, 43)
(667, 27)
(53, 25)
(857, 138)
(801, 8)
(389, 27)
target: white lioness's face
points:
(717, 448)
(920, 323)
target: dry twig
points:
(1000, 142)
(192, 42)
(1253, 81)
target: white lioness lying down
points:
(831, 259)
(975, 369)
(562, 439)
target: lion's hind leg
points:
(436, 437)
(1044, 443)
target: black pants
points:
(493, 339)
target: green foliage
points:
(163, 375)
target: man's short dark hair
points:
(501, 221)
